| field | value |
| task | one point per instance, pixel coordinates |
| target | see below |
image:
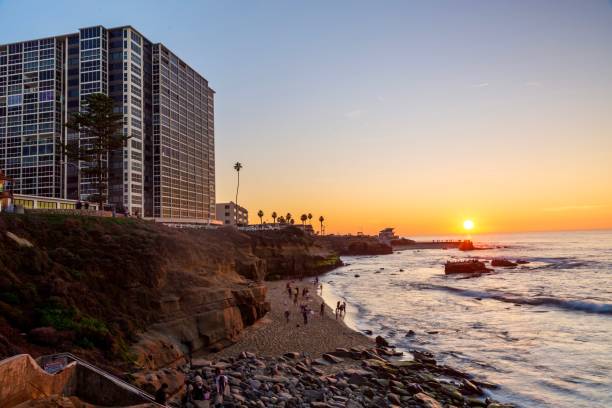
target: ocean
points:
(542, 331)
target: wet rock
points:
(502, 262)
(381, 342)
(410, 333)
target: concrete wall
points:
(22, 379)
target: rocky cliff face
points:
(135, 293)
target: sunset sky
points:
(416, 115)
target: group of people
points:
(198, 393)
(305, 310)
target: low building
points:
(232, 214)
(387, 235)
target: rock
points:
(293, 354)
(321, 361)
(332, 359)
(342, 352)
(357, 275)
(427, 401)
(313, 395)
(381, 342)
(368, 332)
(470, 388)
(502, 262)
(394, 399)
(410, 333)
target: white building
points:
(232, 214)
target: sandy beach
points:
(272, 336)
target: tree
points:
(260, 214)
(281, 220)
(292, 221)
(100, 129)
(310, 218)
(288, 217)
(321, 219)
(274, 215)
(237, 167)
(303, 218)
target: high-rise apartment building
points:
(167, 168)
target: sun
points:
(468, 224)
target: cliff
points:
(133, 295)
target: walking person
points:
(343, 308)
(337, 309)
(161, 395)
(221, 386)
(322, 309)
(200, 394)
(287, 313)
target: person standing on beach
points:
(222, 387)
(343, 308)
(305, 312)
(287, 313)
(337, 309)
(322, 309)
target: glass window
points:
(46, 96)
(14, 100)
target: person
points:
(343, 308)
(337, 309)
(161, 395)
(289, 289)
(322, 309)
(79, 205)
(295, 299)
(287, 313)
(305, 313)
(221, 385)
(200, 393)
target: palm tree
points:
(310, 218)
(292, 221)
(303, 218)
(281, 220)
(260, 214)
(274, 216)
(288, 217)
(321, 219)
(237, 167)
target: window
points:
(14, 100)
(46, 96)
(67, 206)
(90, 44)
(24, 203)
(47, 204)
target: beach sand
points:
(272, 336)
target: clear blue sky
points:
(362, 110)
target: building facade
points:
(166, 169)
(230, 214)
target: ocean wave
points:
(566, 304)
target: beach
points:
(272, 336)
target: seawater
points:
(542, 331)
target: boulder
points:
(502, 262)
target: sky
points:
(413, 115)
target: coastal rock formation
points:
(359, 377)
(356, 245)
(502, 262)
(134, 293)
